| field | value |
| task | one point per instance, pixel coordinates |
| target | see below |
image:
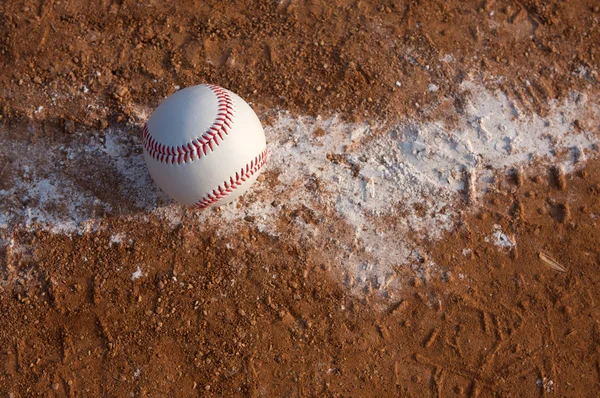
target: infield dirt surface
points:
(427, 224)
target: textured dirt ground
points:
(140, 308)
(268, 319)
(89, 63)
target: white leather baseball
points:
(204, 146)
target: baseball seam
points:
(198, 147)
(230, 185)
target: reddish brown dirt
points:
(267, 319)
(271, 317)
(308, 57)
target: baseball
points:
(204, 146)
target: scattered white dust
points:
(500, 239)
(545, 384)
(385, 182)
(117, 238)
(137, 274)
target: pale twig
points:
(552, 263)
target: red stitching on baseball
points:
(230, 185)
(200, 146)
